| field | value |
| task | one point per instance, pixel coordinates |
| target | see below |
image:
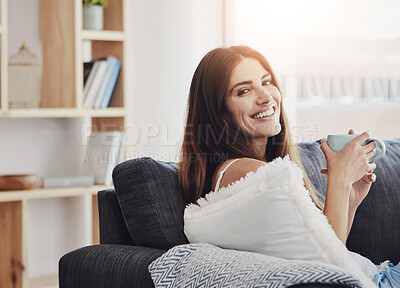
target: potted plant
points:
(93, 14)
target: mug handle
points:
(381, 144)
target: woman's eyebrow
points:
(241, 83)
(248, 82)
(266, 75)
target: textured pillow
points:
(148, 193)
(204, 265)
(269, 212)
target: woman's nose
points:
(263, 97)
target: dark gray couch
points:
(143, 217)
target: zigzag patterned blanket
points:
(206, 265)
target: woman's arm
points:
(337, 206)
(359, 191)
(345, 168)
(352, 213)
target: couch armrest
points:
(107, 266)
(113, 229)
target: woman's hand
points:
(352, 163)
(361, 187)
(349, 181)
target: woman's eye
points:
(243, 91)
(267, 82)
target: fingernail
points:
(373, 177)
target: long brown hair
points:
(209, 140)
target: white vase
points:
(93, 17)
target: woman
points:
(236, 123)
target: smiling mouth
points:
(266, 113)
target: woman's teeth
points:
(269, 112)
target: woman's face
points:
(252, 101)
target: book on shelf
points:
(106, 95)
(92, 90)
(87, 69)
(104, 151)
(101, 78)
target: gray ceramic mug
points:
(338, 141)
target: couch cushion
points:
(205, 265)
(112, 224)
(150, 200)
(313, 161)
(376, 228)
(107, 266)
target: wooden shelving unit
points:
(62, 97)
(103, 35)
(63, 113)
(62, 84)
(3, 56)
(42, 193)
(14, 209)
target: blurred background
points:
(338, 63)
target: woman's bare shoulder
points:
(236, 171)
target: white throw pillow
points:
(270, 212)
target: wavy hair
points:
(209, 140)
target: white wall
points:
(169, 38)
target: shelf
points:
(44, 282)
(41, 193)
(109, 112)
(62, 113)
(103, 35)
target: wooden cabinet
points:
(62, 40)
(14, 222)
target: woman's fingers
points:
(354, 159)
(369, 178)
(370, 154)
(371, 166)
(370, 146)
(361, 138)
(325, 148)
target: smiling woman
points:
(235, 96)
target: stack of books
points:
(100, 77)
(104, 151)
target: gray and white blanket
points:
(206, 265)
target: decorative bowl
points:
(18, 182)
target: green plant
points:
(88, 3)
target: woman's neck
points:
(260, 145)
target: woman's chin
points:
(261, 133)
